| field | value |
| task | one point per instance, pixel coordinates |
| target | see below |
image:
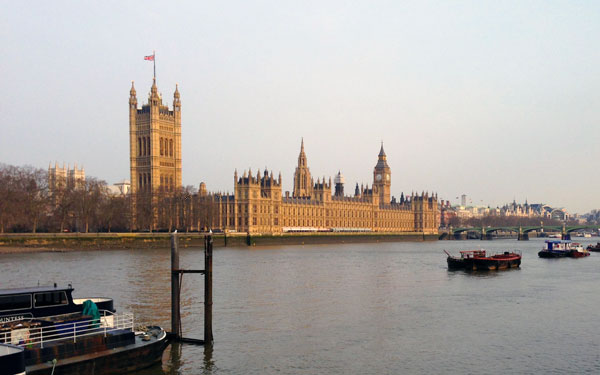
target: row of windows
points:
(145, 149)
(166, 147)
(23, 301)
(167, 182)
(144, 146)
(144, 181)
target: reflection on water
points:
(350, 308)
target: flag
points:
(149, 58)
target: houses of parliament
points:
(258, 204)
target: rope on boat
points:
(54, 361)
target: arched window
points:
(172, 186)
(149, 148)
(161, 147)
(140, 182)
(144, 153)
(139, 146)
(170, 147)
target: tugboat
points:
(595, 247)
(477, 260)
(559, 249)
(80, 339)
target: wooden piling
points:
(175, 293)
(208, 250)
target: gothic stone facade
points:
(154, 152)
(258, 205)
(65, 177)
(154, 143)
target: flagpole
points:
(154, 61)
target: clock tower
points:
(382, 177)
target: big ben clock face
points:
(378, 177)
(387, 177)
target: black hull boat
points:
(118, 353)
(561, 249)
(477, 260)
(81, 340)
(553, 254)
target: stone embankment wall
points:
(100, 241)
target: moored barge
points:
(478, 260)
(81, 340)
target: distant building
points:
(120, 188)
(60, 178)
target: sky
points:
(498, 100)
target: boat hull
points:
(455, 263)
(552, 254)
(579, 254)
(490, 264)
(105, 358)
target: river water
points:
(385, 308)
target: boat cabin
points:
(34, 302)
(469, 254)
(562, 245)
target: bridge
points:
(521, 231)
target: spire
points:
(132, 97)
(176, 93)
(382, 159)
(132, 91)
(302, 145)
(154, 97)
(381, 152)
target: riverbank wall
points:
(97, 241)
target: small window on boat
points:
(50, 299)
(16, 302)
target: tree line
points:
(29, 204)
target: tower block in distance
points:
(154, 152)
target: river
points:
(384, 308)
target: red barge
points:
(478, 260)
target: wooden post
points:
(175, 319)
(208, 248)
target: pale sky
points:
(499, 100)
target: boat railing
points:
(71, 331)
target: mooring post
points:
(175, 319)
(208, 250)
